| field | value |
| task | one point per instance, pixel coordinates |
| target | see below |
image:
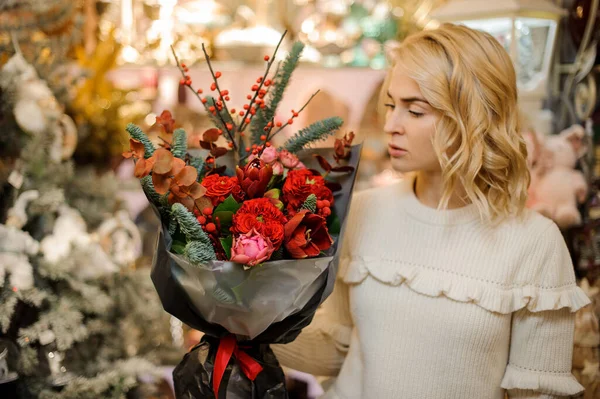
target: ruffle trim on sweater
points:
(489, 295)
(549, 383)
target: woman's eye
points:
(416, 114)
(390, 106)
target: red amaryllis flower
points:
(260, 214)
(306, 235)
(142, 166)
(255, 177)
(218, 188)
(299, 184)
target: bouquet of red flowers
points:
(250, 233)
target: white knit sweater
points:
(434, 304)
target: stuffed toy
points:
(556, 187)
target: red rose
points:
(260, 214)
(299, 184)
(218, 188)
(306, 235)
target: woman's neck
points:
(429, 187)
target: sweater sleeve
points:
(321, 347)
(541, 348)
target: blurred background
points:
(79, 316)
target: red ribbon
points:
(228, 347)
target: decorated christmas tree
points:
(77, 319)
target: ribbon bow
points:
(228, 347)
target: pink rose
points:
(288, 159)
(300, 166)
(269, 155)
(251, 249)
(277, 168)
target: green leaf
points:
(178, 247)
(226, 243)
(229, 205)
(333, 223)
(225, 219)
(275, 181)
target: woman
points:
(449, 287)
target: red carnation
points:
(306, 235)
(260, 214)
(299, 184)
(218, 188)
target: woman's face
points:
(410, 121)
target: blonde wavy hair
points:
(469, 78)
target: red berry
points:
(252, 111)
(242, 134)
(220, 132)
(182, 81)
(246, 106)
(262, 92)
(204, 101)
(227, 98)
(213, 86)
(326, 211)
(196, 212)
(183, 65)
(249, 97)
(242, 113)
(254, 145)
(207, 210)
(247, 149)
(263, 137)
(262, 105)
(268, 144)
(295, 114)
(247, 120)
(326, 203)
(290, 121)
(267, 58)
(201, 219)
(259, 80)
(200, 91)
(254, 87)
(268, 82)
(232, 110)
(278, 124)
(224, 92)
(319, 204)
(211, 228)
(230, 144)
(186, 69)
(229, 126)
(211, 108)
(217, 74)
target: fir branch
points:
(148, 188)
(28, 360)
(198, 252)
(310, 204)
(179, 145)
(7, 308)
(136, 133)
(315, 132)
(281, 81)
(188, 224)
(198, 163)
